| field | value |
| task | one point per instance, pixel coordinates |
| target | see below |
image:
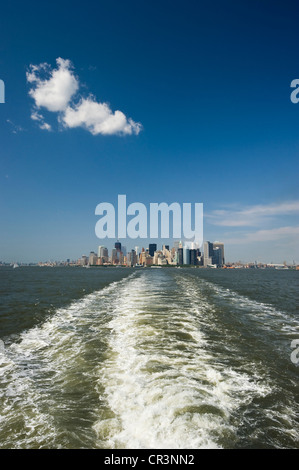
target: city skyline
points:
(182, 103)
(181, 253)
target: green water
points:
(148, 358)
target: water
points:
(148, 358)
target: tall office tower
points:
(124, 250)
(84, 260)
(117, 246)
(218, 248)
(166, 247)
(92, 259)
(193, 257)
(208, 253)
(103, 253)
(217, 257)
(114, 256)
(180, 256)
(133, 257)
(152, 248)
(120, 257)
(142, 258)
(186, 255)
(100, 251)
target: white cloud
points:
(55, 91)
(251, 216)
(45, 126)
(99, 119)
(281, 233)
(14, 127)
(35, 116)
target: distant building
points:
(84, 260)
(152, 248)
(156, 256)
(193, 256)
(186, 255)
(149, 260)
(142, 258)
(103, 253)
(92, 259)
(208, 253)
(114, 256)
(132, 258)
(180, 256)
(218, 248)
(213, 254)
(117, 246)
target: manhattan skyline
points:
(187, 103)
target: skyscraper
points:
(186, 255)
(214, 253)
(180, 256)
(117, 246)
(92, 259)
(152, 248)
(100, 251)
(114, 259)
(133, 257)
(103, 253)
(193, 256)
(84, 260)
(208, 253)
(218, 249)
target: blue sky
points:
(197, 109)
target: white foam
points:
(165, 393)
(39, 365)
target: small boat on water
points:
(16, 265)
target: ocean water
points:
(148, 358)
